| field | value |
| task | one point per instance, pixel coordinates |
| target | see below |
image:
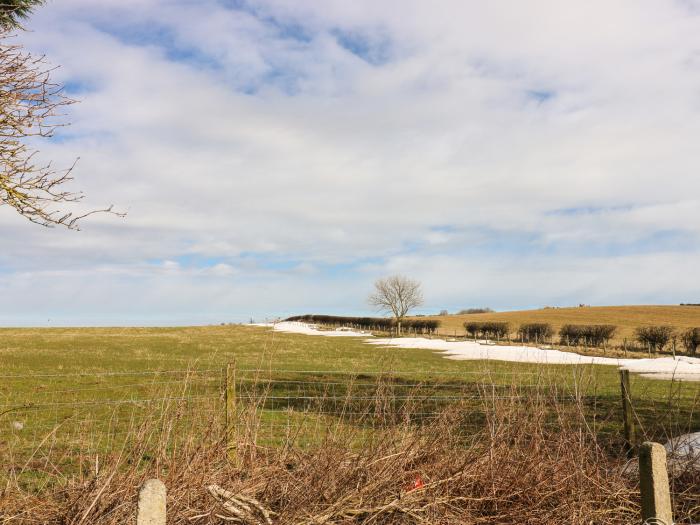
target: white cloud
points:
(555, 140)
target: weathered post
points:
(152, 505)
(627, 415)
(231, 414)
(653, 483)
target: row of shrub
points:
(418, 326)
(587, 334)
(487, 329)
(590, 335)
(656, 338)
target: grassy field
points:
(87, 389)
(74, 400)
(626, 318)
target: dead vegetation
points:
(530, 460)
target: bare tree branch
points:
(31, 107)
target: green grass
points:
(71, 380)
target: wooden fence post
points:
(231, 414)
(653, 483)
(152, 505)
(627, 415)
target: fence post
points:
(152, 506)
(653, 483)
(231, 415)
(627, 415)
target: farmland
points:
(81, 378)
(626, 318)
(76, 401)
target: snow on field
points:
(309, 329)
(685, 368)
(680, 368)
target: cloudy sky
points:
(277, 156)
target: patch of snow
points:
(296, 327)
(685, 448)
(682, 455)
(679, 368)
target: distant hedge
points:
(475, 311)
(535, 332)
(419, 326)
(691, 340)
(487, 329)
(587, 334)
(654, 337)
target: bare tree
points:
(396, 295)
(31, 108)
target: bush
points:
(589, 335)
(654, 337)
(487, 329)
(535, 332)
(421, 326)
(691, 340)
(473, 328)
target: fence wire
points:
(80, 414)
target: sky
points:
(276, 157)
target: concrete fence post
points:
(627, 414)
(653, 483)
(152, 506)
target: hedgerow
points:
(419, 326)
(654, 337)
(488, 329)
(535, 332)
(588, 335)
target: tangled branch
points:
(31, 107)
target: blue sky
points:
(276, 157)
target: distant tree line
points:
(475, 311)
(384, 324)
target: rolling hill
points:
(626, 318)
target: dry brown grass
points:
(530, 460)
(626, 318)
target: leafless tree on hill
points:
(396, 295)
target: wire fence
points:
(69, 423)
(92, 413)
